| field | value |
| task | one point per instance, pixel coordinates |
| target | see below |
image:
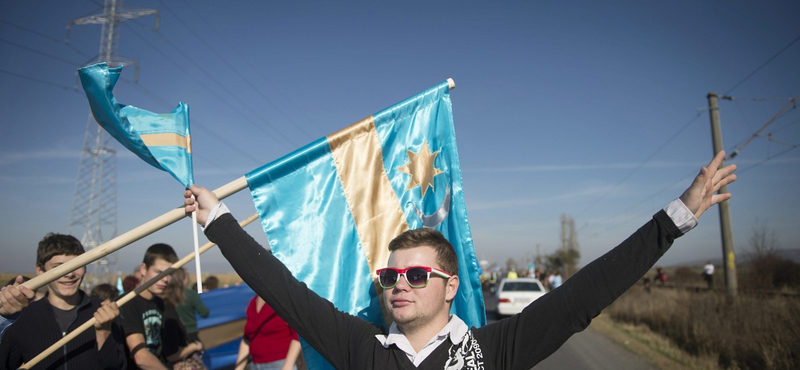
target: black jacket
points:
(37, 329)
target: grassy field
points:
(749, 332)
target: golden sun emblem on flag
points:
(421, 167)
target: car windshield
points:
(521, 286)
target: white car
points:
(515, 294)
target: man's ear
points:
(451, 288)
(39, 270)
(143, 270)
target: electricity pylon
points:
(94, 203)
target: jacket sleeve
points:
(202, 309)
(336, 335)
(540, 329)
(112, 354)
(10, 352)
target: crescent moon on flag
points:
(431, 221)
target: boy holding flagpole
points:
(64, 308)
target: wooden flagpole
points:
(125, 299)
(127, 238)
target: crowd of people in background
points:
(551, 279)
(156, 329)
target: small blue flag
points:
(330, 208)
(120, 287)
(162, 140)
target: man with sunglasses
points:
(422, 278)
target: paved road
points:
(590, 350)
(587, 350)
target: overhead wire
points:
(48, 37)
(769, 158)
(792, 102)
(51, 56)
(645, 161)
(761, 66)
(196, 122)
(236, 70)
(211, 77)
(258, 71)
(218, 137)
(785, 126)
(686, 177)
(216, 94)
(638, 216)
(725, 95)
(33, 79)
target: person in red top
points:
(268, 341)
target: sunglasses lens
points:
(417, 277)
(388, 278)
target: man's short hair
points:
(445, 254)
(56, 245)
(104, 291)
(159, 251)
(211, 283)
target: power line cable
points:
(769, 158)
(785, 126)
(689, 176)
(639, 215)
(195, 122)
(256, 70)
(742, 113)
(147, 92)
(51, 56)
(734, 98)
(761, 66)
(48, 37)
(211, 77)
(652, 155)
(38, 80)
(236, 70)
(214, 92)
(792, 103)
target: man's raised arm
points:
(702, 193)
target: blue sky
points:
(592, 110)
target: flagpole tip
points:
(451, 83)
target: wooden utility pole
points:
(728, 255)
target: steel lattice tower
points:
(94, 203)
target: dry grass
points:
(6, 277)
(751, 332)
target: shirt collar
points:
(455, 330)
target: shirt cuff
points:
(215, 213)
(681, 215)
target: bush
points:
(771, 272)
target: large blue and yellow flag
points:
(330, 208)
(162, 140)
